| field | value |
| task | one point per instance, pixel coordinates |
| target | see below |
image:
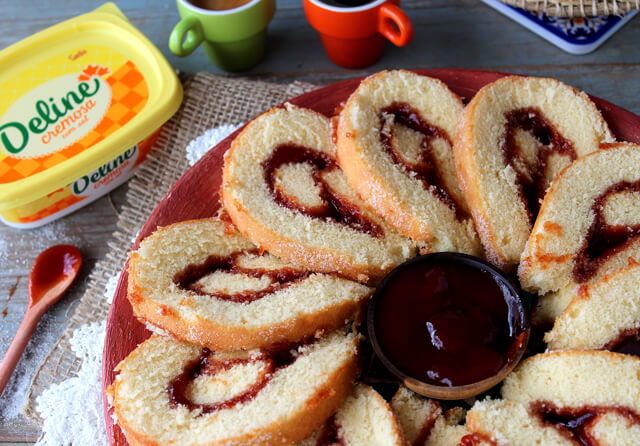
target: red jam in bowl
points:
(447, 319)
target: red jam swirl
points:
(628, 342)
(476, 439)
(603, 240)
(532, 184)
(447, 323)
(426, 169)
(330, 435)
(335, 207)
(575, 423)
(281, 278)
(207, 364)
(425, 431)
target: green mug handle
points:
(191, 28)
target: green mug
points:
(234, 39)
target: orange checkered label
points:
(92, 93)
(85, 189)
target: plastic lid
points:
(74, 96)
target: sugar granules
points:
(14, 263)
(207, 140)
(14, 397)
(72, 410)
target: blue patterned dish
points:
(573, 35)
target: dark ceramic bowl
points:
(519, 318)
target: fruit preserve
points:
(448, 320)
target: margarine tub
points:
(80, 106)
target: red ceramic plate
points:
(195, 195)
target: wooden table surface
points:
(460, 33)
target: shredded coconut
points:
(206, 141)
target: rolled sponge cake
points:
(283, 189)
(601, 315)
(424, 422)
(513, 138)
(588, 227)
(203, 282)
(174, 393)
(394, 138)
(596, 391)
(365, 419)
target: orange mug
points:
(353, 37)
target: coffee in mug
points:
(218, 5)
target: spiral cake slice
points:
(577, 379)
(174, 393)
(423, 421)
(502, 423)
(203, 282)
(588, 226)
(514, 137)
(394, 139)
(564, 398)
(282, 188)
(364, 419)
(604, 315)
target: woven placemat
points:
(577, 8)
(209, 101)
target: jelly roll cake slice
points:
(514, 136)
(603, 315)
(424, 422)
(588, 226)
(394, 139)
(575, 397)
(283, 189)
(364, 419)
(203, 282)
(173, 393)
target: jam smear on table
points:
(532, 183)
(208, 364)
(447, 323)
(281, 278)
(603, 240)
(335, 207)
(574, 423)
(628, 342)
(426, 169)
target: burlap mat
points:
(209, 101)
(577, 8)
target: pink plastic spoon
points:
(51, 275)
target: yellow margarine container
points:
(80, 106)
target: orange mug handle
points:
(394, 24)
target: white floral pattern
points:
(578, 29)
